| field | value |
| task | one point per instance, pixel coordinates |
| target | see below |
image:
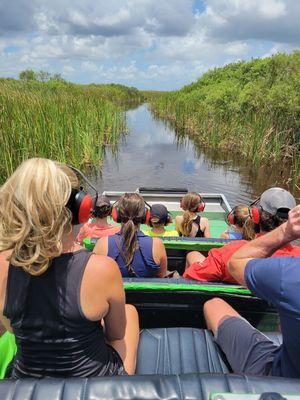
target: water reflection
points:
(153, 154)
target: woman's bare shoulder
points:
(103, 266)
(4, 262)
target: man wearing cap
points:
(160, 217)
(268, 212)
(276, 280)
(98, 226)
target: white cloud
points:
(141, 42)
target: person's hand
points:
(293, 223)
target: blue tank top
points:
(235, 235)
(143, 263)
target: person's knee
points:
(193, 256)
(212, 304)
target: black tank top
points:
(54, 338)
(196, 221)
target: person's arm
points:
(265, 245)
(160, 257)
(206, 228)
(4, 266)
(101, 247)
(178, 221)
(115, 319)
(102, 295)
(224, 235)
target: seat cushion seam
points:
(194, 343)
(179, 386)
(14, 390)
(82, 394)
(62, 390)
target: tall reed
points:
(250, 108)
(66, 122)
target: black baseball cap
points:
(160, 212)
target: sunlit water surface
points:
(152, 154)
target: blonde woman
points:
(191, 224)
(49, 285)
(137, 255)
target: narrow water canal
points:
(151, 154)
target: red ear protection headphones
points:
(256, 211)
(231, 218)
(80, 203)
(200, 207)
(116, 216)
(115, 213)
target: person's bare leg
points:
(192, 257)
(127, 347)
(215, 311)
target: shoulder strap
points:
(197, 220)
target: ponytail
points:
(187, 223)
(131, 208)
(242, 219)
(130, 243)
(248, 229)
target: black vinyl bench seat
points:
(181, 351)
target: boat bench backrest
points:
(188, 386)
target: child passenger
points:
(160, 217)
(136, 254)
(98, 226)
(191, 224)
(241, 224)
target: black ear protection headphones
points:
(116, 216)
(80, 203)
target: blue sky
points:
(149, 44)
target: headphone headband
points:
(115, 214)
(87, 181)
(80, 203)
(231, 218)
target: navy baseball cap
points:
(160, 212)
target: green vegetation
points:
(59, 120)
(248, 108)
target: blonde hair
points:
(131, 207)
(156, 223)
(33, 213)
(242, 219)
(189, 203)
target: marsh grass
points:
(65, 122)
(250, 108)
